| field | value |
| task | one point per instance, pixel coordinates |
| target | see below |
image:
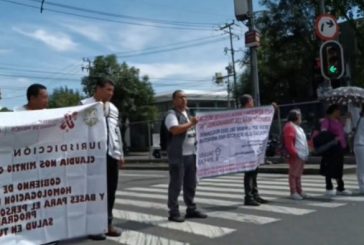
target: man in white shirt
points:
(115, 157)
(181, 159)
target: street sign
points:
(326, 27)
(252, 39)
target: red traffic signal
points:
(332, 60)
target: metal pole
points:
(228, 91)
(323, 11)
(233, 63)
(149, 142)
(322, 6)
(253, 58)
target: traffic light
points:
(332, 60)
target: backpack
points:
(164, 134)
(325, 144)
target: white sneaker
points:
(296, 196)
(344, 193)
(330, 193)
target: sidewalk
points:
(142, 161)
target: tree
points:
(352, 12)
(63, 97)
(4, 109)
(133, 95)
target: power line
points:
(122, 16)
(36, 71)
(38, 77)
(170, 49)
(168, 26)
(191, 41)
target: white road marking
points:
(200, 229)
(217, 202)
(138, 238)
(238, 217)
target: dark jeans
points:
(340, 184)
(250, 184)
(180, 174)
(112, 166)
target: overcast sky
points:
(177, 43)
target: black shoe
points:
(176, 219)
(98, 237)
(260, 200)
(251, 202)
(195, 214)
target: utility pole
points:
(322, 6)
(88, 66)
(232, 51)
(253, 56)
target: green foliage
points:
(352, 12)
(64, 97)
(133, 95)
(4, 109)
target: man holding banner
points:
(115, 157)
(182, 158)
(37, 97)
(252, 197)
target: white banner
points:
(53, 174)
(232, 141)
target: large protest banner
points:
(232, 141)
(53, 174)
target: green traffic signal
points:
(332, 60)
(333, 69)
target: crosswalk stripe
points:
(305, 182)
(326, 204)
(348, 198)
(142, 175)
(217, 202)
(319, 203)
(138, 238)
(261, 186)
(200, 229)
(198, 193)
(238, 217)
(240, 176)
(262, 191)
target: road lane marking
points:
(138, 238)
(238, 217)
(200, 229)
(217, 202)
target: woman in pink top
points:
(332, 164)
(295, 142)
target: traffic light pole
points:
(327, 82)
(254, 58)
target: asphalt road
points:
(142, 214)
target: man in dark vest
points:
(181, 158)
